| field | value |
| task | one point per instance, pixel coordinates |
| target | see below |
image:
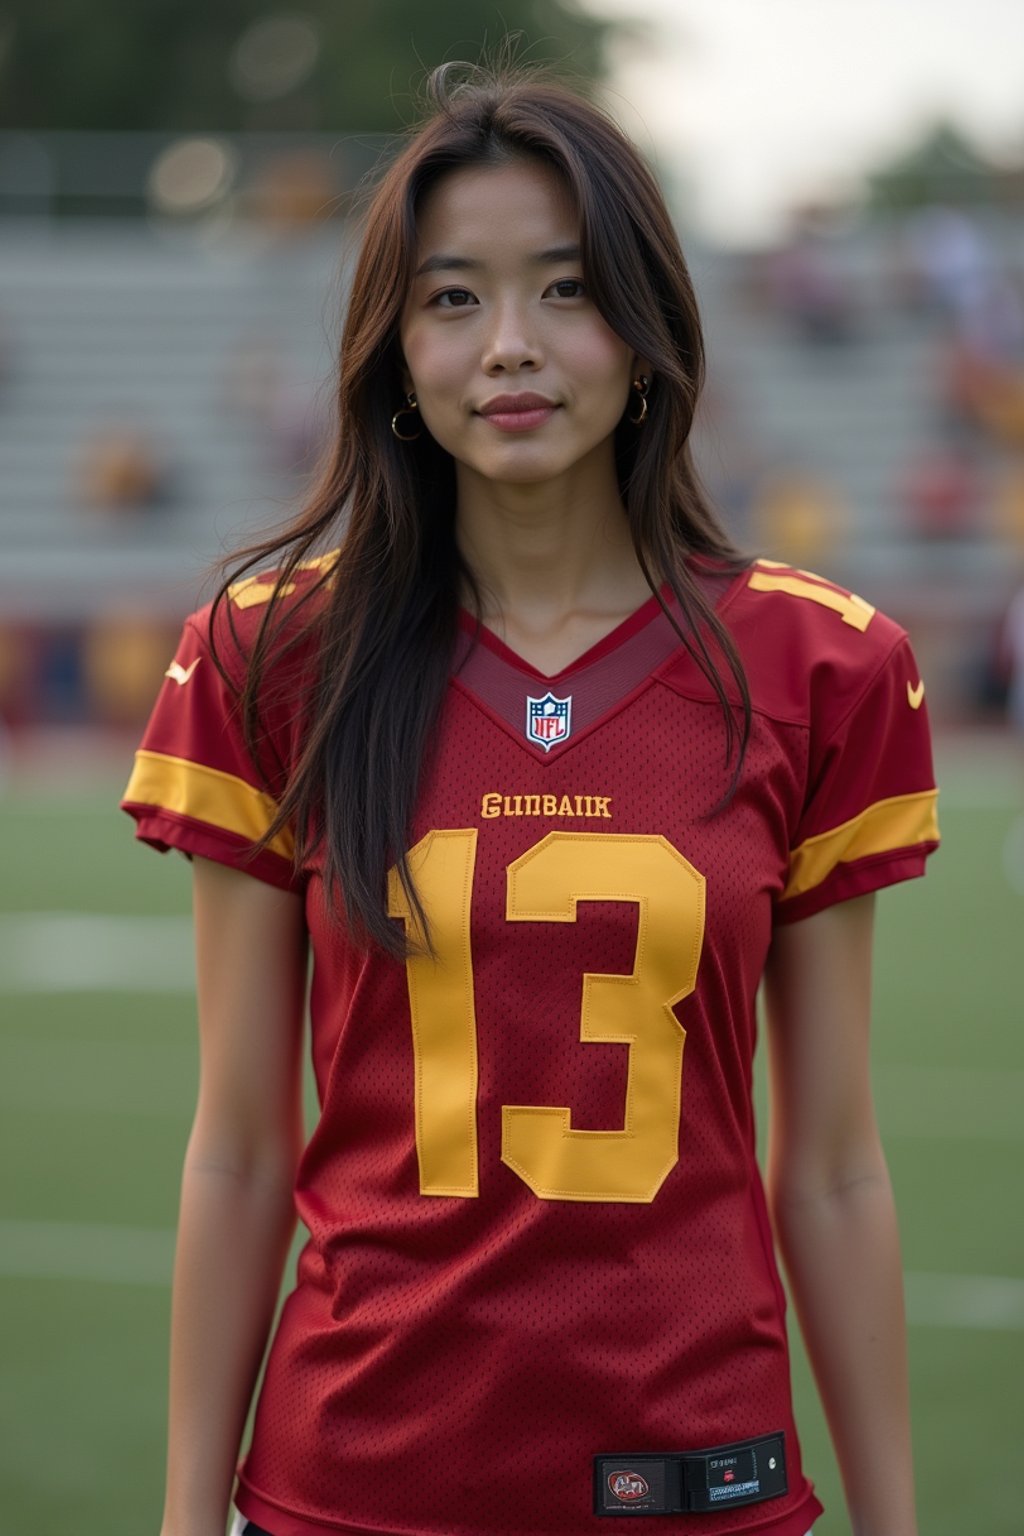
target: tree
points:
(942, 167)
(187, 65)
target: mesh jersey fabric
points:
(537, 1230)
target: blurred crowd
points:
(942, 267)
(938, 270)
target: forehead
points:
(521, 205)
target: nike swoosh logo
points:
(915, 695)
(179, 674)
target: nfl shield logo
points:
(548, 720)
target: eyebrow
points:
(446, 263)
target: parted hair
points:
(383, 616)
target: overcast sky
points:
(751, 104)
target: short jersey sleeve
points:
(869, 814)
(195, 786)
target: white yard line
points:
(62, 952)
(91, 952)
(987, 1302)
(52, 1250)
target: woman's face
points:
(516, 373)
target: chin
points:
(519, 466)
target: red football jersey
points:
(537, 1230)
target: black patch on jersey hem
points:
(690, 1482)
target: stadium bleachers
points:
(174, 332)
(115, 324)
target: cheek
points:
(437, 376)
(431, 360)
(604, 357)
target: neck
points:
(542, 552)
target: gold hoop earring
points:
(411, 408)
(641, 385)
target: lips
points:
(518, 413)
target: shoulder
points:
(210, 772)
(810, 647)
(284, 606)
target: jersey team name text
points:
(589, 807)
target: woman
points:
(548, 777)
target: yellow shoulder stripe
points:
(205, 794)
(253, 590)
(250, 591)
(900, 822)
(853, 609)
(325, 562)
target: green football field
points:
(97, 1071)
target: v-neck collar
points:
(598, 683)
(616, 636)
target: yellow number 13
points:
(544, 885)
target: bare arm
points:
(236, 1215)
(832, 1206)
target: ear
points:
(641, 368)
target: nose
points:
(512, 340)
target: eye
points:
(457, 298)
(568, 288)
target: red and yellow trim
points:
(251, 591)
(903, 821)
(852, 609)
(205, 794)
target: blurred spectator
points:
(731, 453)
(13, 678)
(14, 672)
(1011, 657)
(940, 492)
(983, 393)
(123, 657)
(984, 377)
(808, 283)
(295, 190)
(949, 258)
(291, 413)
(104, 672)
(1008, 505)
(120, 470)
(298, 425)
(58, 697)
(991, 319)
(797, 516)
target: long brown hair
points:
(385, 615)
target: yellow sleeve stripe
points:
(900, 822)
(207, 795)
